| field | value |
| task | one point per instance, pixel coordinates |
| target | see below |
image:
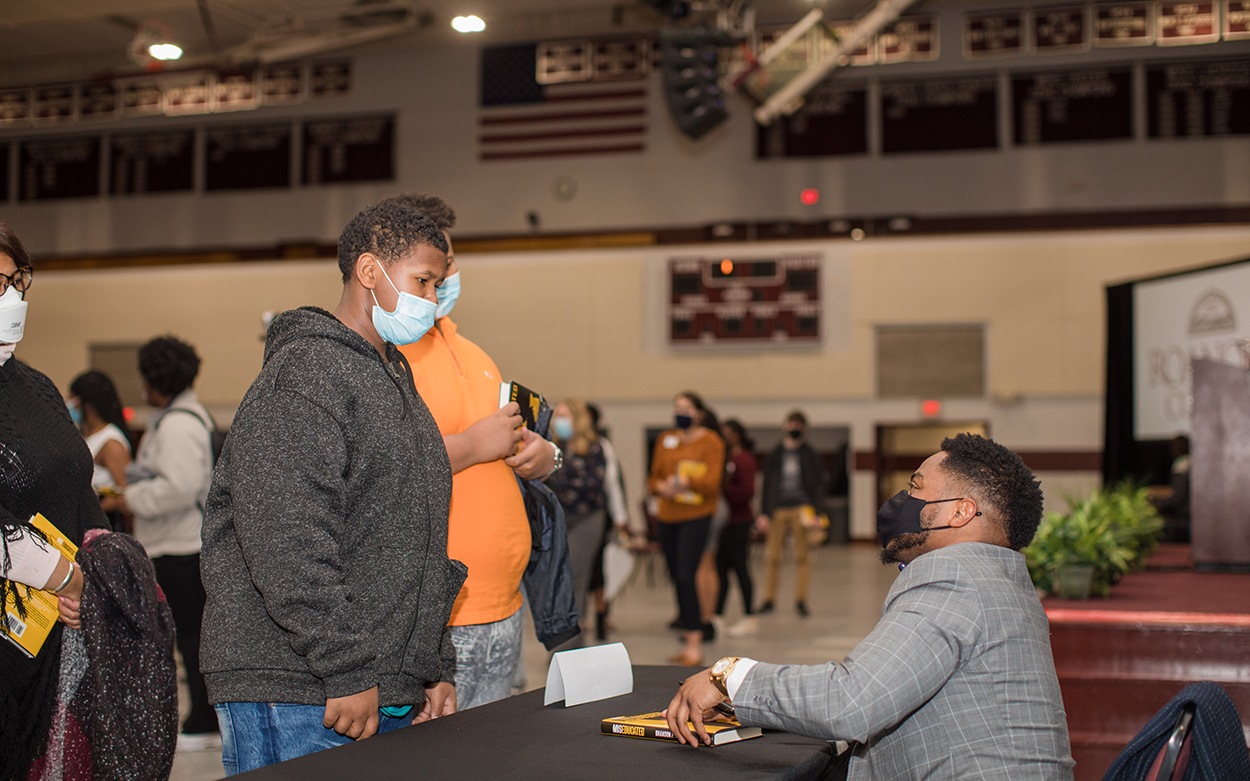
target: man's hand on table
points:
(693, 703)
(536, 458)
(355, 716)
(440, 700)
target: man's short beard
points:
(889, 554)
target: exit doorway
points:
(902, 448)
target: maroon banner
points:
(910, 39)
(54, 104)
(98, 100)
(1060, 30)
(1124, 24)
(993, 35)
(14, 107)
(1236, 19)
(1182, 24)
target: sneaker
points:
(802, 610)
(767, 607)
(745, 628)
(199, 741)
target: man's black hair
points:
(168, 365)
(388, 230)
(426, 205)
(1000, 479)
(796, 416)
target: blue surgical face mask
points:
(447, 295)
(412, 318)
(563, 428)
(75, 412)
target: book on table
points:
(535, 412)
(653, 726)
(29, 633)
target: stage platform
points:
(1122, 658)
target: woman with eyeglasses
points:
(46, 468)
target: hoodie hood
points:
(311, 322)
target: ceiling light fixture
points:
(468, 24)
(165, 51)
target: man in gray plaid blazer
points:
(957, 680)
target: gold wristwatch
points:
(721, 670)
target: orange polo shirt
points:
(488, 529)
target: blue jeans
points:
(487, 656)
(256, 734)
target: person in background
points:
(616, 522)
(46, 469)
(325, 535)
(488, 528)
(957, 679)
(686, 470)
(791, 481)
(579, 485)
(97, 411)
(166, 490)
(732, 551)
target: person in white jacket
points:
(167, 485)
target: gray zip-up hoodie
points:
(325, 531)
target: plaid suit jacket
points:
(956, 681)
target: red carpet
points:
(1164, 587)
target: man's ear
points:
(965, 511)
(367, 270)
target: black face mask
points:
(901, 515)
(683, 421)
(795, 433)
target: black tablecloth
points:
(520, 738)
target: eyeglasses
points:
(19, 279)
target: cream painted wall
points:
(590, 324)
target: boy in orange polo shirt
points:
(488, 528)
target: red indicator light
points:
(128, 414)
(809, 196)
(931, 408)
(726, 267)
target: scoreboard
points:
(744, 301)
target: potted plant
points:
(1099, 539)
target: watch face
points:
(720, 666)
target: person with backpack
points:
(167, 485)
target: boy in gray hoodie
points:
(325, 530)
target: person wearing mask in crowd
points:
(325, 533)
(118, 700)
(579, 485)
(792, 480)
(735, 540)
(97, 411)
(167, 486)
(957, 679)
(489, 529)
(686, 469)
(616, 522)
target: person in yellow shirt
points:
(488, 528)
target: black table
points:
(520, 738)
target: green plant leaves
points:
(1114, 530)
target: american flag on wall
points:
(563, 99)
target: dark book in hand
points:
(535, 412)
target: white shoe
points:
(744, 628)
(202, 741)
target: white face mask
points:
(12, 322)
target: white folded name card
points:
(589, 674)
